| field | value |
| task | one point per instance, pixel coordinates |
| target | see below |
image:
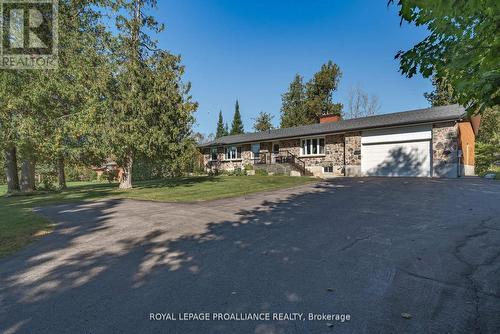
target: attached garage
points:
(404, 151)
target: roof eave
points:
(443, 119)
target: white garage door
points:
(397, 152)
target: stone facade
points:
(445, 150)
(353, 154)
(333, 156)
(444, 153)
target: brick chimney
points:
(329, 118)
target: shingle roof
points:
(434, 114)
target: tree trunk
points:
(27, 183)
(61, 175)
(126, 180)
(11, 170)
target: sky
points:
(251, 51)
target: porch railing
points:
(281, 157)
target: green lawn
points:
(20, 226)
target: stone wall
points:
(353, 154)
(333, 156)
(445, 149)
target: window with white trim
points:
(328, 169)
(312, 146)
(232, 152)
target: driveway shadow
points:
(371, 248)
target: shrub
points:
(238, 172)
(214, 172)
(261, 172)
(109, 175)
(48, 181)
(80, 173)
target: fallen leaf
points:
(406, 315)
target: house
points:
(431, 142)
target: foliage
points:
(261, 172)
(488, 141)
(3, 177)
(293, 104)
(462, 46)
(150, 110)
(360, 104)
(263, 122)
(221, 129)
(46, 177)
(237, 125)
(304, 104)
(75, 172)
(234, 172)
(248, 167)
(442, 94)
(319, 91)
(201, 138)
(46, 111)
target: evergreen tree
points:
(442, 94)
(237, 125)
(263, 122)
(221, 130)
(319, 91)
(304, 105)
(293, 104)
(488, 140)
(151, 109)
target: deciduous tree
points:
(462, 46)
(360, 104)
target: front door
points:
(275, 152)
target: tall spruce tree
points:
(237, 125)
(293, 104)
(221, 128)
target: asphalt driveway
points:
(370, 249)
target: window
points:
(213, 153)
(255, 150)
(313, 146)
(328, 169)
(232, 152)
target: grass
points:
(19, 225)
